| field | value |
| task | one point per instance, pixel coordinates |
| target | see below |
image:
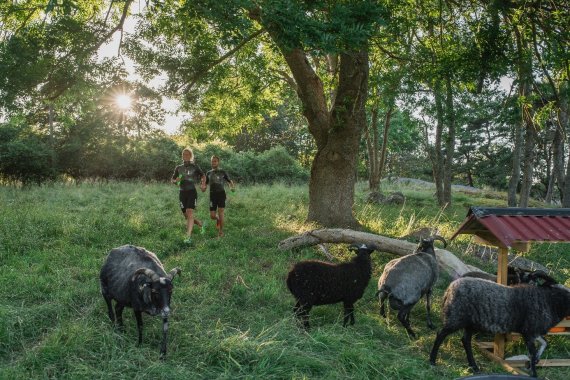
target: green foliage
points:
(248, 167)
(24, 156)
(232, 313)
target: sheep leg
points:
(302, 313)
(428, 309)
(382, 297)
(164, 337)
(438, 341)
(533, 354)
(109, 307)
(348, 314)
(119, 313)
(543, 345)
(466, 341)
(138, 316)
(404, 318)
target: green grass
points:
(232, 313)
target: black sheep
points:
(315, 282)
(473, 305)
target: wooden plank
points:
(541, 363)
(485, 345)
(505, 365)
(564, 323)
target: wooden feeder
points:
(516, 228)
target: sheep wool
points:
(406, 279)
(315, 282)
(474, 304)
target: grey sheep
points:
(475, 305)
(135, 278)
(315, 282)
(406, 279)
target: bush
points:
(273, 165)
(24, 156)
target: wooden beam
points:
(499, 344)
(499, 360)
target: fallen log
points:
(447, 260)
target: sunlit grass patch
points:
(232, 313)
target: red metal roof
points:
(508, 226)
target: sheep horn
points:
(147, 272)
(173, 272)
(542, 275)
(440, 238)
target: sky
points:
(173, 119)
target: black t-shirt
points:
(189, 174)
(216, 179)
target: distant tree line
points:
(470, 92)
(28, 157)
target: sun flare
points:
(123, 101)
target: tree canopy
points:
(473, 92)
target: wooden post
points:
(499, 343)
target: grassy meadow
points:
(232, 313)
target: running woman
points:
(217, 178)
(185, 176)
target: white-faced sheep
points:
(315, 282)
(134, 277)
(477, 305)
(406, 279)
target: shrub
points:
(24, 156)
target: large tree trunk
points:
(333, 173)
(387, 121)
(528, 161)
(516, 166)
(337, 134)
(556, 177)
(449, 142)
(564, 118)
(372, 147)
(524, 77)
(437, 159)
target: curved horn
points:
(147, 272)
(440, 238)
(173, 272)
(542, 275)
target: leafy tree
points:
(324, 46)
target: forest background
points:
(474, 93)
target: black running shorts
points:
(188, 199)
(217, 199)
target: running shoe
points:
(188, 240)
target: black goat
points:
(135, 278)
(315, 282)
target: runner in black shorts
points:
(217, 178)
(186, 176)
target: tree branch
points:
(199, 75)
(447, 260)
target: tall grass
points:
(232, 314)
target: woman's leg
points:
(221, 221)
